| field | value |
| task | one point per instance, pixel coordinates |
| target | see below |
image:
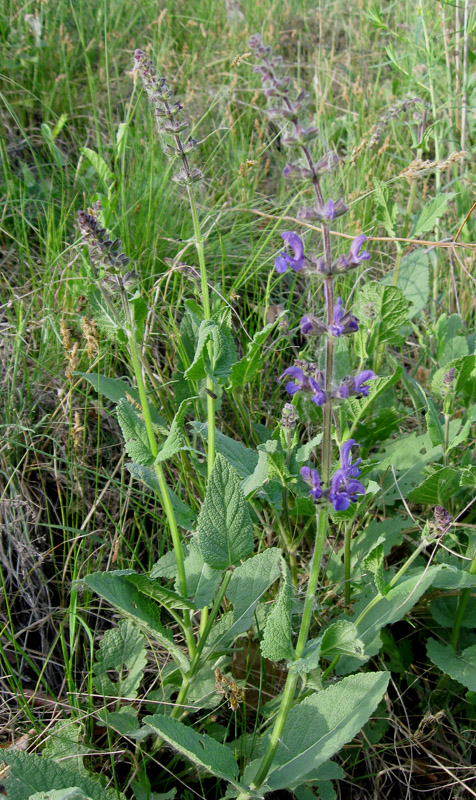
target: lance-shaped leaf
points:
(225, 532)
(199, 748)
(121, 649)
(321, 724)
(135, 434)
(175, 438)
(218, 362)
(277, 644)
(374, 563)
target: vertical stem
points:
(164, 491)
(462, 603)
(291, 681)
(347, 554)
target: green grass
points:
(68, 504)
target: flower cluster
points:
(344, 487)
(167, 118)
(299, 261)
(105, 252)
(307, 377)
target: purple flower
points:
(284, 260)
(303, 382)
(311, 326)
(343, 322)
(344, 489)
(311, 476)
(325, 213)
(355, 256)
(358, 385)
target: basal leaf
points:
(321, 724)
(121, 593)
(122, 650)
(199, 748)
(225, 532)
(461, 668)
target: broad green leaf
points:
(202, 580)
(341, 639)
(30, 773)
(73, 793)
(321, 724)
(433, 424)
(413, 280)
(276, 644)
(199, 748)
(124, 721)
(184, 515)
(389, 609)
(451, 338)
(444, 609)
(134, 432)
(121, 593)
(437, 488)
(102, 169)
(464, 432)
(245, 369)
(461, 668)
(165, 567)
(175, 438)
(260, 475)
(384, 310)
(386, 531)
(63, 744)
(433, 210)
(247, 587)
(116, 390)
(225, 532)
(374, 563)
(451, 577)
(140, 793)
(242, 458)
(122, 650)
(219, 362)
(407, 451)
(110, 323)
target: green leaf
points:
(360, 407)
(121, 593)
(437, 488)
(451, 577)
(389, 609)
(248, 585)
(374, 563)
(135, 434)
(383, 310)
(73, 793)
(321, 724)
(244, 370)
(199, 748)
(385, 214)
(413, 280)
(461, 668)
(30, 773)
(175, 439)
(444, 609)
(432, 212)
(219, 362)
(111, 324)
(152, 588)
(276, 644)
(184, 515)
(463, 433)
(116, 390)
(122, 650)
(242, 458)
(433, 424)
(341, 639)
(102, 169)
(63, 744)
(225, 532)
(124, 721)
(202, 580)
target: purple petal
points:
(329, 210)
(355, 257)
(294, 372)
(281, 263)
(306, 325)
(306, 474)
(340, 502)
(292, 388)
(361, 378)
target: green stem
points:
(291, 681)
(462, 603)
(207, 315)
(159, 472)
(347, 591)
